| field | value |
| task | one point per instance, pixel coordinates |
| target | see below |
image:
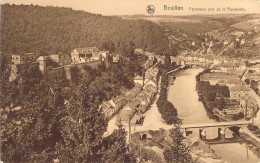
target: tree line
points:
(166, 108)
(48, 30)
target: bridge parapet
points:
(217, 124)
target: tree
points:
(169, 114)
(223, 91)
(116, 148)
(247, 81)
(30, 134)
(69, 29)
(82, 128)
(108, 45)
(178, 151)
(7, 93)
(167, 62)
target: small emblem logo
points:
(150, 9)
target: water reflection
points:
(235, 153)
(185, 98)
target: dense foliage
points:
(179, 151)
(166, 108)
(254, 129)
(42, 124)
(212, 96)
(47, 30)
(109, 82)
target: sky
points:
(132, 7)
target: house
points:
(61, 58)
(133, 92)
(108, 109)
(138, 79)
(229, 66)
(255, 68)
(129, 96)
(211, 43)
(225, 42)
(232, 110)
(242, 65)
(242, 42)
(217, 61)
(115, 58)
(103, 54)
(254, 59)
(233, 82)
(145, 102)
(134, 104)
(175, 60)
(193, 43)
(143, 108)
(119, 102)
(125, 115)
(191, 57)
(137, 119)
(150, 90)
(213, 80)
(252, 76)
(202, 59)
(215, 68)
(249, 106)
(239, 92)
(23, 58)
(80, 55)
(139, 51)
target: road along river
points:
(184, 97)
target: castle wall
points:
(65, 71)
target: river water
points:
(185, 98)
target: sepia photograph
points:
(140, 81)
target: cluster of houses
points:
(233, 75)
(151, 57)
(133, 103)
(55, 62)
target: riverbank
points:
(184, 97)
(246, 134)
(201, 151)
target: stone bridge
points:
(219, 128)
(176, 69)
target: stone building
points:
(23, 58)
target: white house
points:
(242, 42)
(80, 55)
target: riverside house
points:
(238, 92)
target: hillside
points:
(203, 23)
(47, 30)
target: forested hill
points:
(46, 30)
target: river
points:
(184, 97)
